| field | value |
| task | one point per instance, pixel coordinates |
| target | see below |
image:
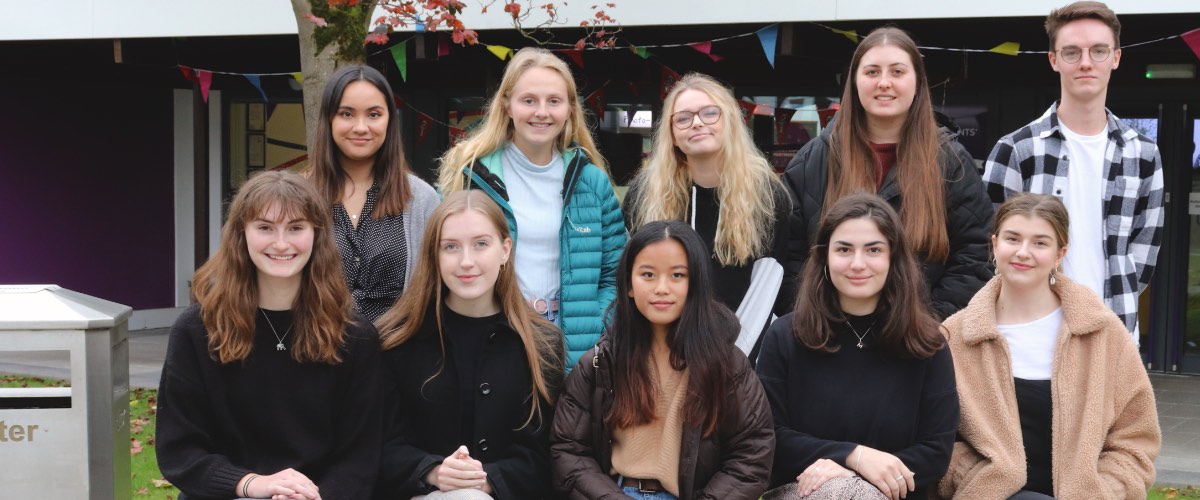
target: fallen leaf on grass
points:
(160, 483)
(143, 491)
(135, 446)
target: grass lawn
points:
(147, 482)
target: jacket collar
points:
(428, 328)
(489, 171)
(1083, 312)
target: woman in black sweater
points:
(859, 377)
(472, 372)
(270, 385)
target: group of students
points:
(360, 335)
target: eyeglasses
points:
(1098, 53)
(708, 116)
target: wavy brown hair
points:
(543, 341)
(389, 168)
(1082, 10)
(907, 328)
(701, 340)
(226, 287)
(918, 171)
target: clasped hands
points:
(883, 470)
(459, 471)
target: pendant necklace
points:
(860, 337)
(280, 347)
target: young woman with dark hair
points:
(885, 140)
(356, 161)
(859, 377)
(471, 371)
(270, 385)
(665, 406)
(1055, 400)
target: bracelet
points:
(246, 485)
(858, 461)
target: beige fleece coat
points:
(1104, 427)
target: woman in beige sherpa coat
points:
(1045, 370)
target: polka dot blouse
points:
(373, 256)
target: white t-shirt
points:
(1031, 345)
(1085, 262)
(535, 195)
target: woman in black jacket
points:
(471, 371)
(885, 140)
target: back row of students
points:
(859, 380)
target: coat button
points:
(485, 389)
(483, 445)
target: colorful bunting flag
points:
(500, 51)
(669, 77)
(575, 55)
(205, 79)
(299, 77)
(641, 52)
(747, 110)
(768, 37)
(783, 118)
(424, 124)
(187, 73)
(400, 55)
(443, 46)
(706, 49)
(1192, 39)
(457, 134)
(596, 102)
(851, 34)
(256, 81)
(1006, 48)
(826, 115)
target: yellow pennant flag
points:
(1006, 48)
(299, 77)
(851, 34)
(500, 51)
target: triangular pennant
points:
(299, 77)
(1192, 39)
(1006, 48)
(399, 102)
(641, 52)
(575, 55)
(783, 118)
(500, 51)
(187, 73)
(747, 110)
(443, 46)
(669, 77)
(424, 124)
(706, 49)
(851, 34)
(596, 103)
(767, 37)
(457, 134)
(256, 81)
(205, 79)
(400, 55)
(826, 115)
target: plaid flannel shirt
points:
(1034, 159)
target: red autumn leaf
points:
(376, 38)
(315, 20)
(581, 44)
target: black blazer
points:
(422, 416)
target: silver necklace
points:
(864, 334)
(280, 346)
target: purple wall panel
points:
(86, 190)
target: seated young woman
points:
(471, 370)
(270, 386)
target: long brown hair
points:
(701, 340)
(907, 328)
(918, 172)
(389, 169)
(226, 287)
(542, 340)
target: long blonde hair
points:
(542, 340)
(226, 285)
(747, 181)
(496, 128)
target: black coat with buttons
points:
(422, 418)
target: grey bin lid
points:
(51, 307)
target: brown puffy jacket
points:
(733, 463)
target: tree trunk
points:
(316, 67)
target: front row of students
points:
(273, 386)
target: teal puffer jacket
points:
(591, 237)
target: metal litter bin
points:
(66, 443)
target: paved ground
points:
(1178, 400)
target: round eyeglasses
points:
(1098, 53)
(684, 119)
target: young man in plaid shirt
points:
(1108, 175)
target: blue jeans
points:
(632, 492)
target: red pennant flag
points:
(1192, 38)
(747, 110)
(187, 73)
(205, 78)
(826, 114)
(783, 118)
(669, 77)
(457, 134)
(443, 46)
(424, 124)
(596, 102)
(706, 49)
(399, 102)
(575, 55)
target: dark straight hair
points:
(701, 340)
(907, 328)
(389, 168)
